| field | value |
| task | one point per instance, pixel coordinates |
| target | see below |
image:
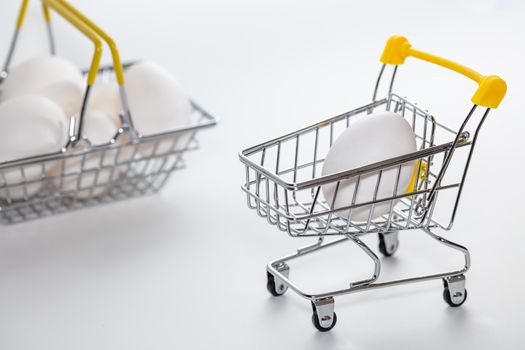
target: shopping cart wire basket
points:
(283, 184)
(82, 174)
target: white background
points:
(185, 269)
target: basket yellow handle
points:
(23, 10)
(47, 14)
(80, 25)
(119, 71)
(22, 13)
(491, 88)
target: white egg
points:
(98, 127)
(77, 175)
(105, 97)
(157, 103)
(29, 125)
(372, 139)
(49, 76)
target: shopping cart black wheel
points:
(315, 321)
(275, 289)
(388, 243)
(449, 301)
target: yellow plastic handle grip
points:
(491, 88)
(119, 71)
(80, 25)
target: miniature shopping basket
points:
(283, 185)
(82, 174)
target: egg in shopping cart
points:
(49, 76)
(374, 138)
(158, 104)
(30, 125)
(89, 174)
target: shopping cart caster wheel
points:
(454, 292)
(455, 303)
(317, 324)
(388, 243)
(275, 289)
(324, 318)
(275, 285)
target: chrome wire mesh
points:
(84, 176)
(284, 183)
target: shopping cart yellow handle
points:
(75, 21)
(491, 88)
(117, 65)
(412, 186)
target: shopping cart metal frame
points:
(144, 162)
(289, 196)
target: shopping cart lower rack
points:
(82, 174)
(283, 185)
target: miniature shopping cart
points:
(128, 165)
(283, 185)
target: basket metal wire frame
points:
(283, 185)
(83, 174)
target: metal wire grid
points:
(75, 178)
(283, 182)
